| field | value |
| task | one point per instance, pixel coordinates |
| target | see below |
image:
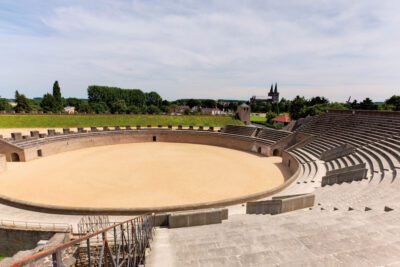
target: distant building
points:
(272, 97)
(69, 109)
(212, 111)
(243, 113)
(12, 103)
(282, 119)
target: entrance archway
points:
(15, 157)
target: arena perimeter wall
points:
(80, 141)
(59, 144)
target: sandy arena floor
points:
(141, 175)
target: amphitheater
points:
(325, 193)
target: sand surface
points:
(141, 175)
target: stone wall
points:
(348, 177)
(288, 142)
(280, 204)
(13, 240)
(337, 152)
(7, 149)
(123, 137)
(291, 162)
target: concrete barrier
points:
(280, 204)
(348, 177)
(196, 218)
(337, 152)
(347, 169)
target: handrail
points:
(141, 227)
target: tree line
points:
(105, 99)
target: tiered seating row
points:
(272, 135)
(239, 130)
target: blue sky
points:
(202, 49)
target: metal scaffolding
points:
(121, 244)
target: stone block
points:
(161, 219)
(224, 214)
(195, 218)
(148, 126)
(51, 132)
(138, 127)
(211, 128)
(105, 128)
(117, 128)
(280, 204)
(16, 136)
(42, 135)
(128, 127)
(179, 127)
(201, 128)
(66, 131)
(35, 134)
(93, 129)
(178, 220)
(199, 218)
(190, 127)
(213, 216)
(159, 126)
(81, 130)
(169, 126)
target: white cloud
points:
(204, 49)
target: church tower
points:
(274, 94)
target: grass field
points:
(39, 121)
(1, 257)
(257, 119)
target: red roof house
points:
(284, 119)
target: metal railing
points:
(121, 244)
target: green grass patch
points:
(257, 119)
(58, 121)
(1, 257)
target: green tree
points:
(48, 103)
(22, 103)
(193, 103)
(135, 109)
(386, 107)
(73, 102)
(368, 104)
(153, 98)
(317, 100)
(152, 109)
(295, 107)
(119, 106)
(58, 103)
(99, 108)
(208, 103)
(4, 105)
(394, 101)
(284, 105)
(83, 107)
